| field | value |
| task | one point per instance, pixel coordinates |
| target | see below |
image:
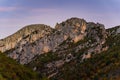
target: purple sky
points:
(15, 14)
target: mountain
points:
(72, 31)
(74, 50)
(28, 34)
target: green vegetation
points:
(99, 67)
(48, 57)
(39, 61)
(11, 70)
(103, 66)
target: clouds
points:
(7, 9)
(47, 10)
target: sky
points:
(15, 14)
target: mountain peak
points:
(72, 24)
(73, 43)
(29, 33)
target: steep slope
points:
(28, 34)
(71, 31)
(86, 49)
(102, 66)
(81, 42)
(11, 70)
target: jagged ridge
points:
(29, 33)
(74, 29)
(71, 42)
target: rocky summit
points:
(28, 34)
(74, 50)
(47, 39)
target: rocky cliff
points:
(35, 40)
(28, 34)
(80, 40)
(52, 51)
(89, 59)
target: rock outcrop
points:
(71, 47)
(44, 39)
(74, 29)
(28, 34)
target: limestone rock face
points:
(73, 28)
(27, 34)
(73, 34)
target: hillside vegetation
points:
(11, 70)
(74, 50)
